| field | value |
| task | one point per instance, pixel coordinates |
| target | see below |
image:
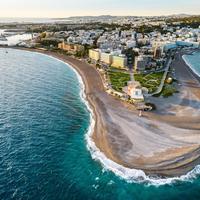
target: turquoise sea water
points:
(43, 153)
(194, 62)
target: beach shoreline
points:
(195, 73)
(152, 150)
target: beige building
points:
(94, 54)
(106, 58)
(157, 53)
(70, 47)
(119, 61)
(159, 44)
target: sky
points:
(66, 8)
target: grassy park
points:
(118, 79)
(150, 81)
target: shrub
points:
(168, 90)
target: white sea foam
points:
(130, 175)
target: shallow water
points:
(193, 62)
(43, 153)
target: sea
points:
(13, 38)
(46, 152)
(193, 61)
(19, 20)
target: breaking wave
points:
(130, 175)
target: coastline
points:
(196, 74)
(106, 112)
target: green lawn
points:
(150, 81)
(119, 80)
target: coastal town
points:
(132, 54)
(100, 100)
(142, 94)
(100, 107)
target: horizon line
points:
(164, 15)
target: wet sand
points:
(165, 143)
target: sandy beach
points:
(165, 142)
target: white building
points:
(134, 90)
(131, 43)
